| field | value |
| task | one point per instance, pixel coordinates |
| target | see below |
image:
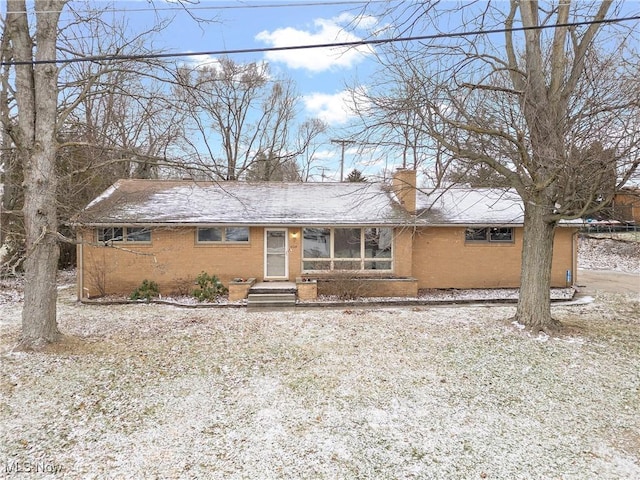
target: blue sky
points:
(321, 75)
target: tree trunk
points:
(36, 97)
(39, 323)
(534, 304)
(7, 157)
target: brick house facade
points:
(399, 238)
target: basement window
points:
(489, 235)
(223, 235)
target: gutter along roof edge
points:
(310, 224)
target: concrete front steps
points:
(272, 296)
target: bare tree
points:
(552, 108)
(119, 128)
(306, 143)
(238, 114)
(10, 170)
(34, 137)
(266, 168)
(392, 125)
(114, 120)
(106, 118)
(118, 108)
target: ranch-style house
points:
(394, 239)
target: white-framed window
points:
(350, 248)
(489, 235)
(222, 235)
(123, 234)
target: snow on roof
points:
(106, 194)
(265, 203)
(466, 206)
(271, 203)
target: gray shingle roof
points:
(465, 206)
(241, 203)
(175, 202)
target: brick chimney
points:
(404, 186)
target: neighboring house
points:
(394, 238)
(626, 205)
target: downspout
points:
(79, 266)
(574, 257)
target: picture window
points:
(351, 249)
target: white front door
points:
(276, 258)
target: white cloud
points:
(331, 108)
(200, 61)
(324, 31)
(325, 154)
(371, 163)
(366, 22)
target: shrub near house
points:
(209, 288)
(146, 291)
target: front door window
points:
(276, 254)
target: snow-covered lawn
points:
(154, 391)
(610, 251)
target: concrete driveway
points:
(592, 281)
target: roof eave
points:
(96, 224)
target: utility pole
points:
(343, 143)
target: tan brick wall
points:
(295, 253)
(442, 259)
(307, 290)
(240, 290)
(627, 206)
(404, 186)
(173, 260)
(403, 252)
(369, 287)
(437, 257)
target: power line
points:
(357, 43)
